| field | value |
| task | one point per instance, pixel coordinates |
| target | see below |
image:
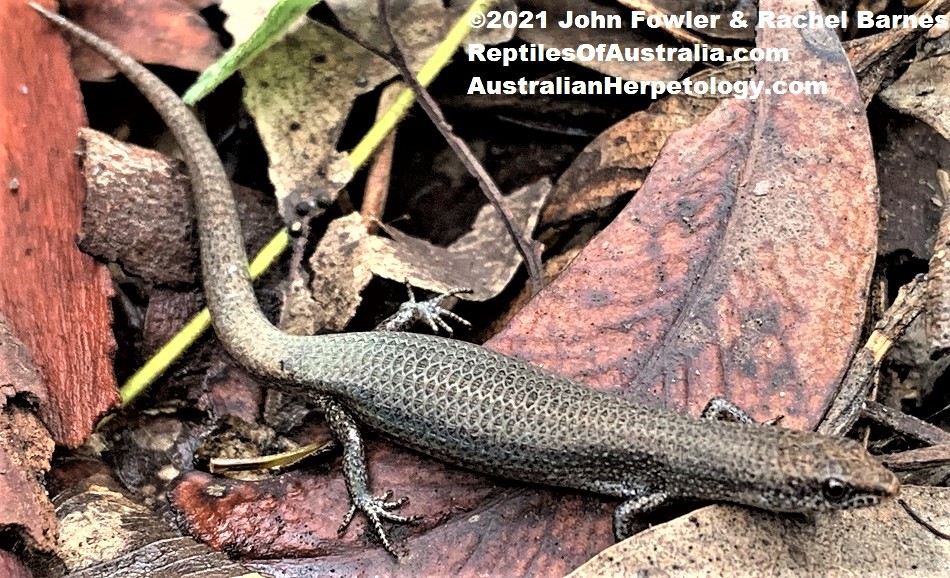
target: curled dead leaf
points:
(741, 267)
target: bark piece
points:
(25, 449)
(55, 298)
(139, 212)
(25, 452)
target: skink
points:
(482, 410)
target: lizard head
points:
(821, 473)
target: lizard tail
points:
(235, 312)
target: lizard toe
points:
(376, 509)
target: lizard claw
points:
(429, 311)
(434, 315)
(377, 509)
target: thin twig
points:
(849, 402)
(919, 519)
(377, 176)
(526, 247)
(905, 425)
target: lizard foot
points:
(429, 312)
(377, 509)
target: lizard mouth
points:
(862, 501)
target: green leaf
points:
(277, 21)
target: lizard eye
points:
(834, 490)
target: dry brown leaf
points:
(483, 260)
(616, 162)
(907, 162)
(923, 91)
(164, 32)
(742, 265)
(347, 258)
(103, 533)
(301, 90)
(881, 541)
(555, 36)
(328, 300)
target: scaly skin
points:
(488, 412)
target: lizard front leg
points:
(721, 409)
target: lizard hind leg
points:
(375, 508)
(430, 312)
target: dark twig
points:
(917, 459)
(526, 247)
(937, 323)
(905, 425)
(846, 407)
(919, 519)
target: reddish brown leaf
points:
(741, 267)
(150, 31)
(55, 298)
(298, 514)
(13, 567)
(616, 162)
(479, 530)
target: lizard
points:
(494, 414)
